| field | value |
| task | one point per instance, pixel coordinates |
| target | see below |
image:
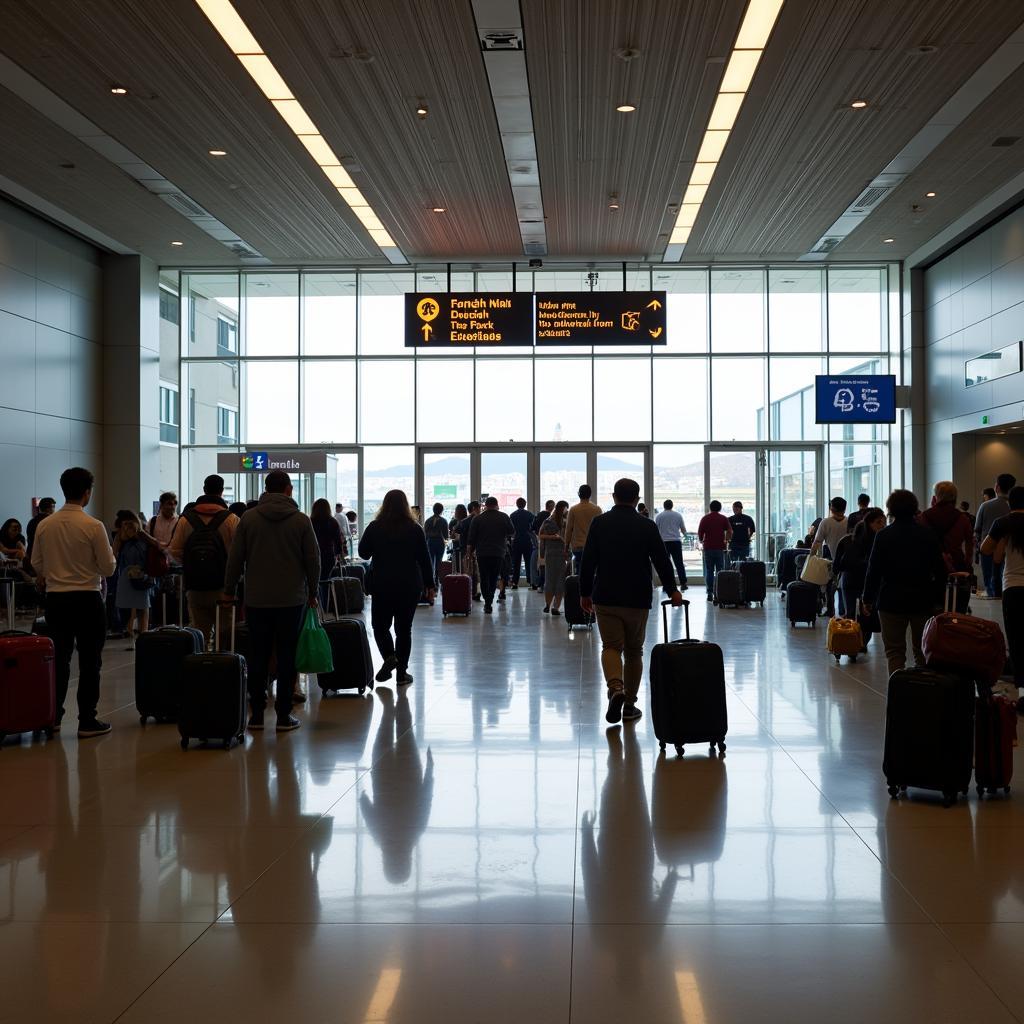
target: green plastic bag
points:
(313, 655)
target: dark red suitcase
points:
(28, 693)
(995, 735)
(456, 594)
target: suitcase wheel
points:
(142, 719)
(184, 743)
(661, 746)
(49, 735)
(227, 744)
(679, 750)
(894, 792)
(721, 747)
(837, 659)
(362, 690)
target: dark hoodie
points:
(276, 549)
(952, 527)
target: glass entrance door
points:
(445, 479)
(559, 475)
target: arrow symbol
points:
(655, 334)
(427, 331)
(654, 304)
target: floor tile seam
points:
(576, 840)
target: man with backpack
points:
(200, 544)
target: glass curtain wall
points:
(280, 358)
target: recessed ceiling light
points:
(887, 240)
(613, 205)
(119, 90)
(218, 152)
(177, 243)
(930, 195)
(439, 209)
(421, 110)
(859, 104)
(625, 108)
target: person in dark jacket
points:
(536, 563)
(401, 573)
(955, 534)
(620, 548)
(905, 579)
(488, 541)
(851, 563)
(522, 542)
(329, 540)
(436, 531)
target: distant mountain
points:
(502, 462)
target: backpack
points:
(205, 557)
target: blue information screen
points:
(869, 398)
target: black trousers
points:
(1013, 622)
(490, 570)
(675, 552)
(273, 630)
(521, 551)
(78, 619)
(400, 609)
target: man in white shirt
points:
(831, 530)
(72, 557)
(672, 529)
(161, 526)
(341, 518)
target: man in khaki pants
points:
(621, 546)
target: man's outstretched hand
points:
(587, 604)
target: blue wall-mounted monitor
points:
(863, 398)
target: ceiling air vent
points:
(183, 205)
(242, 250)
(501, 41)
(1006, 140)
(535, 249)
(827, 244)
(870, 198)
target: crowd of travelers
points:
(889, 567)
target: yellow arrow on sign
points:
(655, 334)
(427, 331)
(654, 304)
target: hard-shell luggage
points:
(802, 600)
(456, 594)
(929, 733)
(348, 593)
(688, 690)
(729, 588)
(995, 736)
(213, 694)
(755, 581)
(785, 569)
(355, 572)
(28, 697)
(159, 669)
(965, 644)
(575, 616)
(350, 651)
(844, 637)
(443, 569)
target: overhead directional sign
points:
(600, 318)
(468, 318)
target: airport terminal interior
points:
(766, 252)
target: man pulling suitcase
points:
(620, 548)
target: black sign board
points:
(600, 318)
(435, 319)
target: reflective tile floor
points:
(481, 847)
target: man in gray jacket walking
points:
(275, 549)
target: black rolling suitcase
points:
(575, 616)
(729, 588)
(350, 650)
(159, 668)
(347, 593)
(802, 602)
(688, 690)
(929, 733)
(755, 582)
(355, 572)
(213, 695)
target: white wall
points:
(51, 359)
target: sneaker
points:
(614, 712)
(288, 724)
(256, 720)
(87, 730)
(630, 713)
(555, 612)
(711, 597)
(404, 679)
(488, 609)
(389, 666)
(501, 597)
(547, 609)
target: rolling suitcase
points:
(213, 695)
(802, 600)
(844, 637)
(456, 594)
(28, 697)
(347, 594)
(159, 665)
(350, 650)
(966, 644)
(443, 569)
(688, 690)
(575, 616)
(785, 568)
(995, 736)
(755, 582)
(729, 588)
(355, 572)
(929, 733)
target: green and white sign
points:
(446, 490)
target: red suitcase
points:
(456, 594)
(995, 735)
(444, 569)
(28, 692)
(964, 644)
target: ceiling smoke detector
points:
(626, 53)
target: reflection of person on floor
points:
(402, 791)
(618, 868)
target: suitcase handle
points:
(216, 625)
(664, 615)
(953, 584)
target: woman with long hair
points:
(551, 538)
(397, 547)
(1005, 543)
(453, 533)
(329, 541)
(134, 585)
(851, 563)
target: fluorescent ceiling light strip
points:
(242, 43)
(755, 31)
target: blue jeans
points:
(714, 561)
(739, 552)
(577, 560)
(993, 576)
(435, 548)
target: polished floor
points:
(481, 847)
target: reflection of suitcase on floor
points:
(802, 601)
(213, 695)
(456, 594)
(755, 581)
(929, 733)
(844, 637)
(688, 690)
(689, 807)
(995, 735)
(728, 588)
(575, 616)
(28, 701)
